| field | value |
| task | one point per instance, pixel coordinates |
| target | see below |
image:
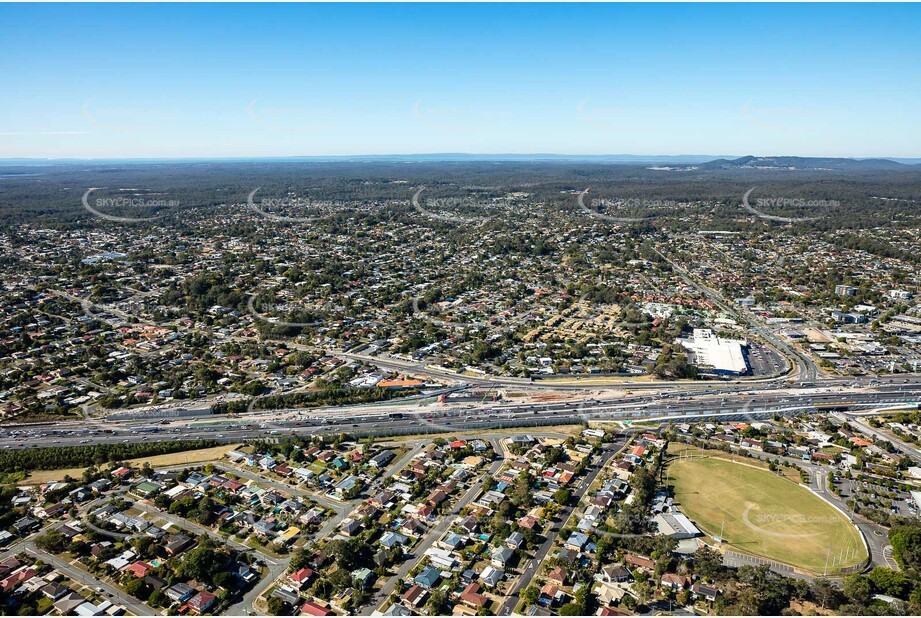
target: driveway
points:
(435, 533)
(533, 565)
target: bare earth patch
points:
(172, 459)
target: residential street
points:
(534, 564)
(435, 533)
(79, 575)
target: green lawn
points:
(763, 514)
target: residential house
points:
(640, 562)
(428, 577)
(138, 569)
(451, 541)
(501, 557)
(472, 597)
(381, 459)
(491, 576)
(300, 578)
(180, 592)
(514, 540)
(551, 594)
(363, 577)
(392, 539)
(177, 543)
(706, 592)
(67, 605)
(614, 573)
(287, 595)
(312, 608)
(54, 591)
(415, 596)
(202, 602)
(558, 575)
(25, 525)
(576, 541)
(675, 581)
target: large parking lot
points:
(764, 360)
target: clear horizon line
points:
(531, 155)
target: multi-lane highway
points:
(796, 385)
(687, 401)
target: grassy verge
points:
(677, 449)
(170, 459)
(568, 430)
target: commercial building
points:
(721, 356)
(676, 525)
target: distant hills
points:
(752, 162)
(699, 162)
(446, 157)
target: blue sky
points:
(110, 80)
